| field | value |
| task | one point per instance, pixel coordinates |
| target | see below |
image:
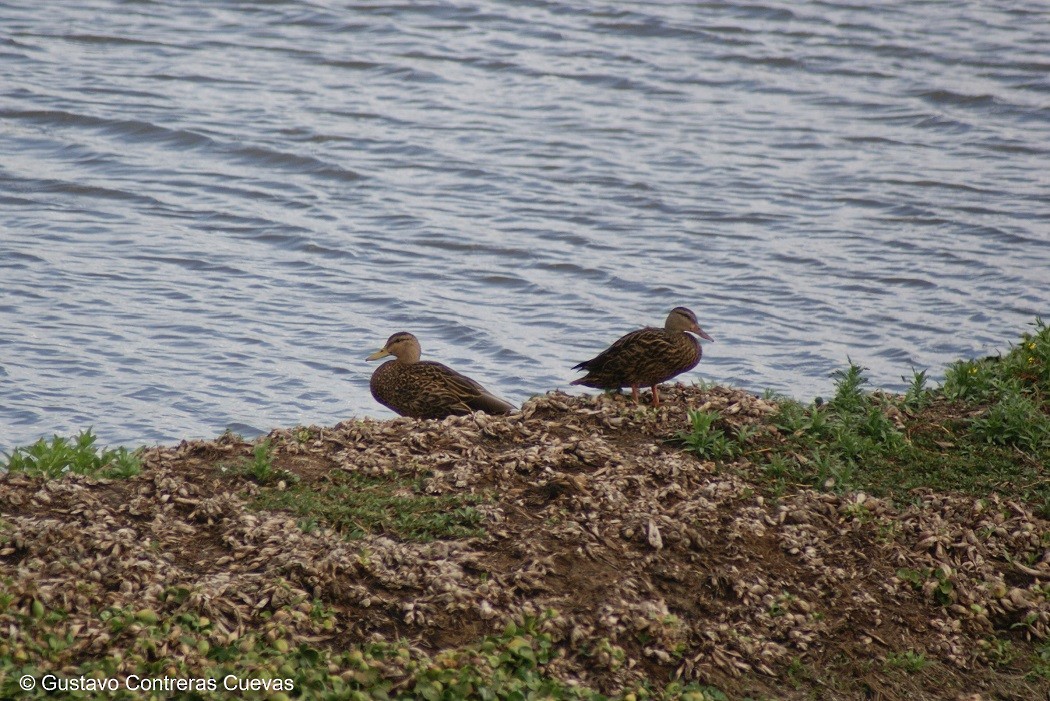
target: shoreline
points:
(724, 545)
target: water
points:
(210, 213)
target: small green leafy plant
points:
(918, 394)
(909, 661)
(705, 439)
(1014, 420)
(79, 455)
(260, 468)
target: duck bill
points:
(381, 353)
(703, 334)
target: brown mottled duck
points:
(647, 356)
(424, 389)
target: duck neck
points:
(408, 357)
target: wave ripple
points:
(211, 213)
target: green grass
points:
(831, 444)
(356, 505)
(1025, 368)
(260, 467)
(909, 661)
(1000, 652)
(986, 429)
(1014, 391)
(1041, 662)
(1015, 419)
(60, 456)
(705, 439)
(511, 666)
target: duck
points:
(647, 356)
(424, 389)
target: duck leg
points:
(634, 393)
(656, 396)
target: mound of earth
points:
(642, 562)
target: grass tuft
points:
(705, 439)
(909, 661)
(918, 394)
(260, 467)
(356, 505)
(1014, 420)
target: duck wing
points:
(441, 391)
(614, 367)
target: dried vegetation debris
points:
(656, 563)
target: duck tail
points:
(491, 404)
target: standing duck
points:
(424, 389)
(647, 356)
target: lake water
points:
(211, 212)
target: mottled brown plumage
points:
(647, 356)
(424, 389)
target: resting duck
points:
(424, 389)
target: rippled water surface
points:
(210, 213)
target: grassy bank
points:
(723, 546)
(985, 430)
